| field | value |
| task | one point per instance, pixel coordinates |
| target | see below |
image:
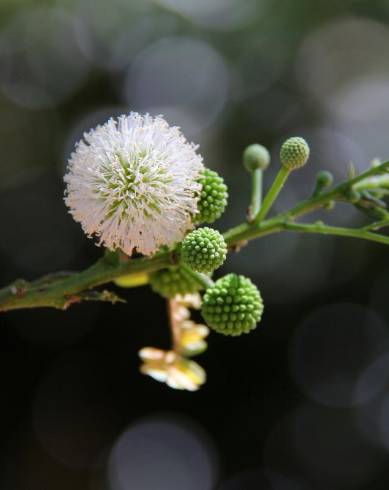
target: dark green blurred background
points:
(300, 404)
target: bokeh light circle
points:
(331, 350)
(163, 452)
(44, 62)
(176, 76)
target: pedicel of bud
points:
(255, 157)
(204, 250)
(294, 153)
(374, 198)
(372, 207)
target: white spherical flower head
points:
(133, 182)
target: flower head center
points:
(138, 179)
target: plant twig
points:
(200, 278)
(256, 193)
(63, 292)
(336, 194)
(174, 326)
(60, 290)
(321, 228)
(271, 196)
(377, 225)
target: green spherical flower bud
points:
(213, 197)
(324, 179)
(232, 306)
(172, 281)
(294, 153)
(204, 250)
(256, 156)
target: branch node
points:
(237, 247)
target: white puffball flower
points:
(133, 183)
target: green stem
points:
(249, 231)
(200, 278)
(256, 193)
(59, 290)
(322, 229)
(377, 225)
(373, 183)
(337, 193)
(66, 291)
(271, 196)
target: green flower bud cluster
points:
(232, 306)
(172, 281)
(294, 153)
(256, 157)
(213, 198)
(204, 250)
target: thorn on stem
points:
(19, 288)
(71, 300)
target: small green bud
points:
(256, 156)
(232, 306)
(294, 153)
(172, 281)
(204, 250)
(213, 197)
(324, 179)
